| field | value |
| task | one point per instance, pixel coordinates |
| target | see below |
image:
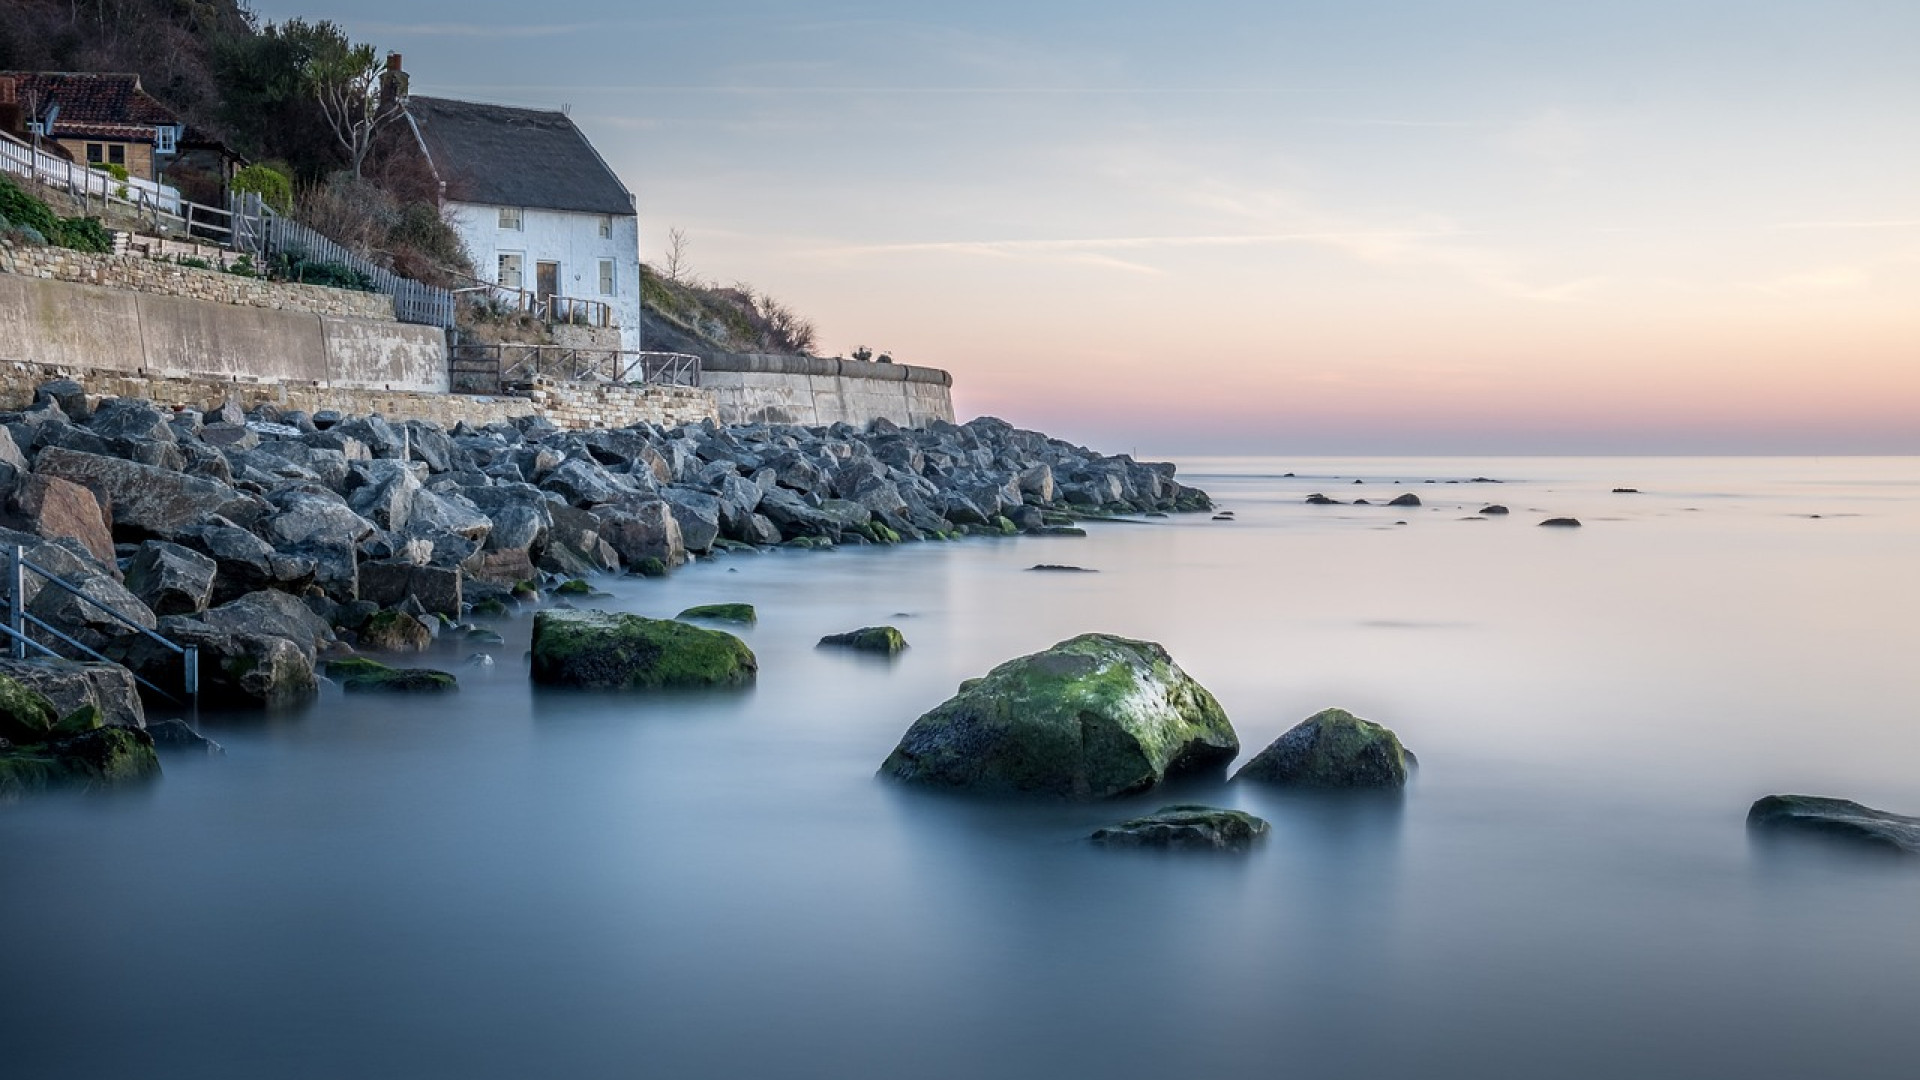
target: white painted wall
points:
(570, 239)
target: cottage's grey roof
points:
(505, 156)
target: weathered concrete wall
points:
(567, 405)
(821, 390)
(43, 321)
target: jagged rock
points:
(68, 685)
(171, 579)
(272, 612)
(146, 501)
(1841, 819)
(1093, 717)
(1190, 828)
(305, 517)
(66, 395)
(390, 582)
(698, 515)
(52, 507)
(393, 630)
(1331, 748)
(237, 670)
(640, 529)
(609, 651)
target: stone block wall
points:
(567, 406)
(133, 273)
(813, 390)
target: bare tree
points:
(357, 93)
(676, 263)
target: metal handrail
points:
(18, 618)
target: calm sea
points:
(511, 884)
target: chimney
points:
(9, 91)
(393, 84)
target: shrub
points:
(25, 211)
(863, 353)
(193, 261)
(83, 234)
(243, 267)
(272, 185)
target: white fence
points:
(82, 182)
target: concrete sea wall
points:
(66, 324)
(821, 390)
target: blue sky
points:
(1307, 227)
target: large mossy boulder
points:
(1093, 717)
(1332, 748)
(606, 650)
(26, 716)
(1841, 819)
(1186, 828)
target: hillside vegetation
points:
(686, 315)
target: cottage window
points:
(510, 218)
(116, 154)
(606, 228)
(164, 140)
(512, 269)
(606, 277)
(96, 153)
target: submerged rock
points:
(875, 639)
(1061, 568)
(357, 675)
(1093, 717)
(733, 613)
(609, 651)
(1493, 509)
(1838, 818)
(1409, 499)
(1332, 748)
(1188, 828)
(1561, 523)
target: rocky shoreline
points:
(273, 539)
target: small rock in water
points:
(1561, 523)
(1496, 508)
(1838, 818)
(1057, 530)
(1626, 491)
(479, 660)
(1332, 748)
(1186, 828)
(733, 613)
(1363, 502)
(175, 736)
(1223, 517)
(874, 639)
(1061, 568)
(1409, 499)
(1317, 499)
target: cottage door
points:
(546, 278)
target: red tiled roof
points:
(101, 105)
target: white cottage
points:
(546, 221)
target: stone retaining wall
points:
(134, 273)
(566, 405)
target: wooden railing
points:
(553, 310)
(495, 369)
(158, 206)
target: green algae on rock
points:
(733, 613)
(26, 716)
(101, 758)
(358, 675)
(1842, 819)
(1332, 748)
(1189, 828)
(1093, 717)
(606, 650)
(574, 587)
(874, 639)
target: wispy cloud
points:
(1842, 224)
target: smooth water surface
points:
(508, 884)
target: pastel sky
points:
(1354, 226)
